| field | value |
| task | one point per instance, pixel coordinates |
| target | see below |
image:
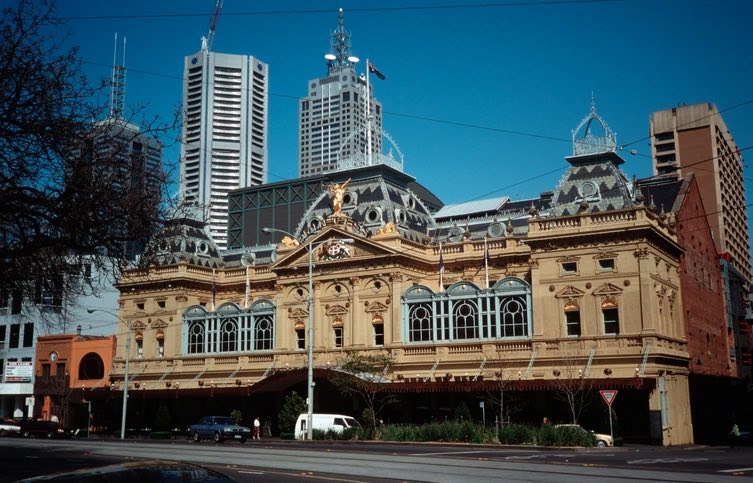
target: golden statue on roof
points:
(338, 191)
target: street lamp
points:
(310, 381)
(125, 376)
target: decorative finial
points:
(589, 143)
(467, 233)
(532, 210)
(651, 205)
(508, 228)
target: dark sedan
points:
(43, 429)
(218, 428)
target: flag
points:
(374, 71)
(486, 262)
(214, 289)
(441, 269)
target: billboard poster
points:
(16, 371)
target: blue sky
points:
(523, 75)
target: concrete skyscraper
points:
(695, 139)
(225, 117)
(333, 125)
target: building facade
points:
(695, 139)
(333, 122)
(225, 123)
(19, 324)
(68, 367)
(578, 292)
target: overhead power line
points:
(350, 10)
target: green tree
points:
(73, 206)
(293, 406)
(366, 377)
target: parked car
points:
(9, 427)
(324, 422)
(219, 428)
(43, 429)
(600, 440)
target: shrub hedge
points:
(467, 432)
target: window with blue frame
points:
(467, 312)
(229, 328)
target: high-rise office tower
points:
(333, 125)
(131, 158)
(225, 111)
(695, 139)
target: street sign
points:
(608, 395)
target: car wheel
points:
(601, 443)
(217, 437)
(2, 433)
(196, 437)
(27, 434)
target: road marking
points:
(665, 460)
(735, 470)
(447, 452)
(251, 472)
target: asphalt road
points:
(282, 461)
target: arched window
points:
(514, 317)
(420, 317)
(228, 336)
(196, 337)
(464, 314)
(91, 367)
(229, 328)
(467, 312)
(263, 333)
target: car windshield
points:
(222, 421)
(352, 422)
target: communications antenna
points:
(117, 82)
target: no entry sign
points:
(608, 395)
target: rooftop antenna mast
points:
(206, 42)
(339, 57)
(117, 82)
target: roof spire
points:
(590, 143)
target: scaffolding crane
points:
(206, 42)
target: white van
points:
(324, 422)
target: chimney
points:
(78, 330)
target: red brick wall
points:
(702, 289)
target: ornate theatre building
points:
(575, 291)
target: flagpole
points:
(368, 113)
(441, 269)
(486, 262)
(214, 288)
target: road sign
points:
(608, 395)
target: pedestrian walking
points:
(257, 428)
(734, 436)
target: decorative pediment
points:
(336, 310)
(159, 324)
(567, 259)
(607, 289)
(605, 255)
(299, 314)
(376, 308)
(569, 292)
(138, 325)
(328, 247)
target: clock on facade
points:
(53, 356)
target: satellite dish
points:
(353, 59)
(247, 259)
(330, 56)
